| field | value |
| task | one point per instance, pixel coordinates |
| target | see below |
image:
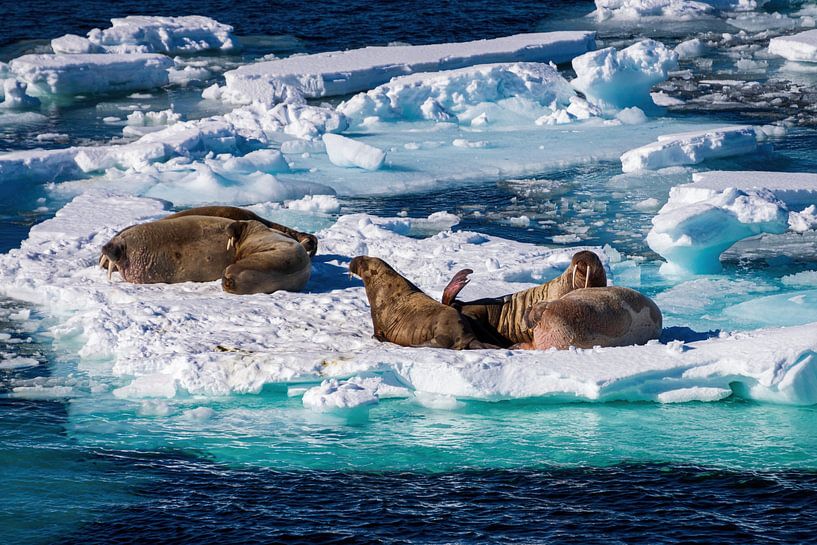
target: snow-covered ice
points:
(151, 34)
(618, 79)
(169, 340)
(346, 152)
(691, 148)
(344, 72)
(463, 94)
(671, 10)
(703, 219)
(87, 74)
(800, 47)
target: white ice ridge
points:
(149, 34)
(463, 94)
(168, 340)
(691, 148)
(703, 219)
(344, 72)
(682, 10)
(620, 79)
(81, 74)
(800, 47)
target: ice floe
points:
(82, 74)
(166, 340)
(346, 152)
(691, 148)
(800, 47)
(151, 34)
(703, 219)
(464, 94)
(618, 79)
(344, 72)
(669, 9)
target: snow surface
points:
(616, 79)
(691, 148)
(800, 47)
(150, 34)
(462, 94)
(703, 219)
(345, 72)
(168, 340)
(85, 74)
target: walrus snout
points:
(358, 265)
(588, 272)
(113, 254)
(310, 243)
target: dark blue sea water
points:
(59, 486)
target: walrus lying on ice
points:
(404, 315)
(500, 320)
(249, 254)
(585, 318)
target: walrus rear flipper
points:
(454, 287)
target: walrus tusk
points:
(573, 281)
(587, 277)
(230, 243)
(110, 269)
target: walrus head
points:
(114, 257)
(586, 271)
(309, 242)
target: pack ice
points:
(800, 47)
(168, 340)
(79, 74)
(345, 72)
(703, 219)
(149, 34)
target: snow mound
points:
(332, 395)
(149, 34)
(691, 148)
(88, 74)
(800, 47)
(703, 219)
(447, 95)
(618, 79)
(345, 72)
(171, 340)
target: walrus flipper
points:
(454, 287)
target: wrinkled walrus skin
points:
(265, 260)
(500, 320)
(246, 255)
(585, 318)
(186, 249)
(309, 242)
(404, 315)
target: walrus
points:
(584, 318)
(308, 241)
(404, 315)
(266, 260)
(246, 255)
(500, 320)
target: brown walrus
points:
(404, 315)
(248, 256)
(500, 320)
(308, 241)
(585, 318)
(266, 260)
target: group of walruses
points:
(252, 255)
